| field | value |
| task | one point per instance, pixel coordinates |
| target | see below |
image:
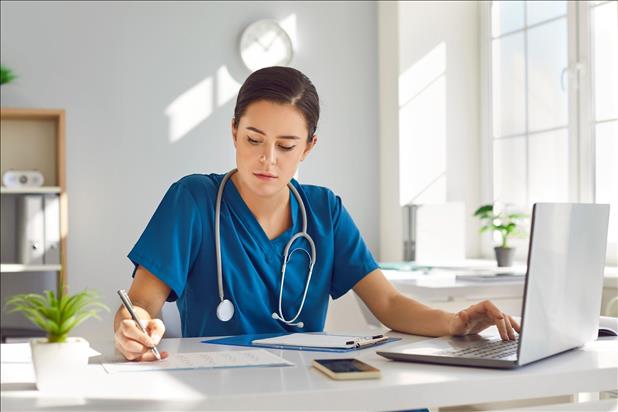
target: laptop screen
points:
(562, 296)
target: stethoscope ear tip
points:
(275, 316)
(301, 325)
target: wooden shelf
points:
(31, 114)
(24, 190)
(33, 139)
(16, 268)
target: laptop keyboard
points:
(490, 350)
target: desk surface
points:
(402, 386)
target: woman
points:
(258, 210)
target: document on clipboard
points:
(321, 341)
(313, 341)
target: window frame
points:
(580, 110)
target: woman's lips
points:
(265, 177)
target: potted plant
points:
(506, 225)
(6, 75)
(57, 355)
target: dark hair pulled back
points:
(283, 85)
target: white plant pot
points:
(54, 363)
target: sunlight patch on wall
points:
(422, 74)
(422, 129)
(227, 86)
(289, 25)
(190, 109)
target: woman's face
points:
(270, 141)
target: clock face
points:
(264, 43)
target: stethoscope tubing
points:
(226, 305)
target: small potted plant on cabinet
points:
(57, 355)
(506, 225)
(6, 75)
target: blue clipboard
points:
(246, 340)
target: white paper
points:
(312, 340)
(202, 360)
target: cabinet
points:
(31, 139)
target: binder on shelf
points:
(51, 207)
(30, 229)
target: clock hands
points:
(275, 37)
(266, 48)
(259, 42)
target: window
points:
(552, 105)
(603, 123)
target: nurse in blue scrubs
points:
(234, 282)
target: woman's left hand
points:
(481, 316)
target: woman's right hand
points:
(134, 345)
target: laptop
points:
(562, 295)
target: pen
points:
(129, 306)
(361, 343)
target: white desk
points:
(403, 385)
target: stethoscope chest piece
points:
(225, 310)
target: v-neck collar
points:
(269, 247)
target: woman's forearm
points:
(148, 295)
(409, 316)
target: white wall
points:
(429, 81)
(116, 67)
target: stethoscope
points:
(225, 309)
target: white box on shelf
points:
(434, 232)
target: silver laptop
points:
(562, 295)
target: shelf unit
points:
(18, 267)
(28, 190)
(32, 139)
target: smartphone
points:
(346, 368)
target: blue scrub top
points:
(178, 246)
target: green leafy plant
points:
(57, 314)
(6, 75)
(506, 224)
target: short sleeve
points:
(169, 245)
(352, 259)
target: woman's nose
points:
(269, 156)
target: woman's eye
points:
(282, 147)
